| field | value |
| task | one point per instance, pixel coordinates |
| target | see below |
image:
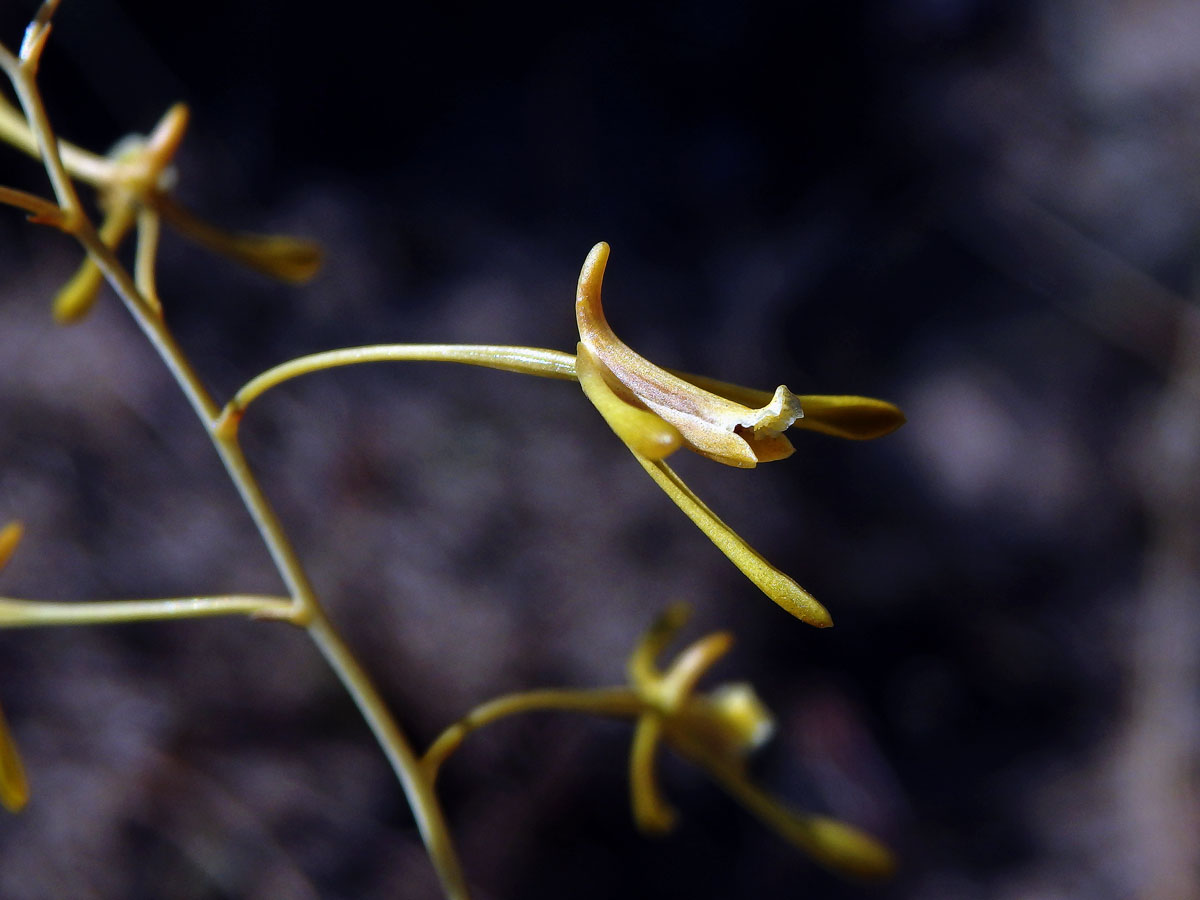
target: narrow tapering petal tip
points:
(76, 298)
(652, 814)
(14, 789)
(593, 265)
(854, 418)
(10, 536)
(796, 600)
(844, 848)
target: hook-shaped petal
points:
(711, 425)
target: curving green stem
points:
(522, 360)
(38, 613)
(619, 702)
(304, 609)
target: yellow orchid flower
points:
(655, 412)
(14, 789)
(133, 183)
(711, 425)
(717, 731)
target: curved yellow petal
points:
(651, 812)
(689, 666)
(841, 415)
(75, 298)
(772, 582)
(855, 418)
(283, 257)
(837, 845)
(711, 425)
(642, 667)
(291, 259)
(10, 536)
(14, 789)
(832, 843)
(642, 431)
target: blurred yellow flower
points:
(14, 789)
(717, 731)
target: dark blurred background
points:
(984, 211)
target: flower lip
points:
(711, 425)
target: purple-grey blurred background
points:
(986, 212)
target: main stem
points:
(307, 610)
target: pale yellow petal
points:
(14, 789)
(10, 536)
(841, 415)
(283, 257)
(291, 259)
(643, 431)
(856, 418)
(689, 666)
(839, 846)
(711, 425)
(772, 582)
(834, 844)
(642, 667)
(651, 812)
(76, 298)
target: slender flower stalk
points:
(22, 613)
(522, 360)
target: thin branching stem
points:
(619, 702)
(22, 613)
(417, 785)
(305, 608)
(522, 360)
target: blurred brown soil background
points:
(986, 212)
